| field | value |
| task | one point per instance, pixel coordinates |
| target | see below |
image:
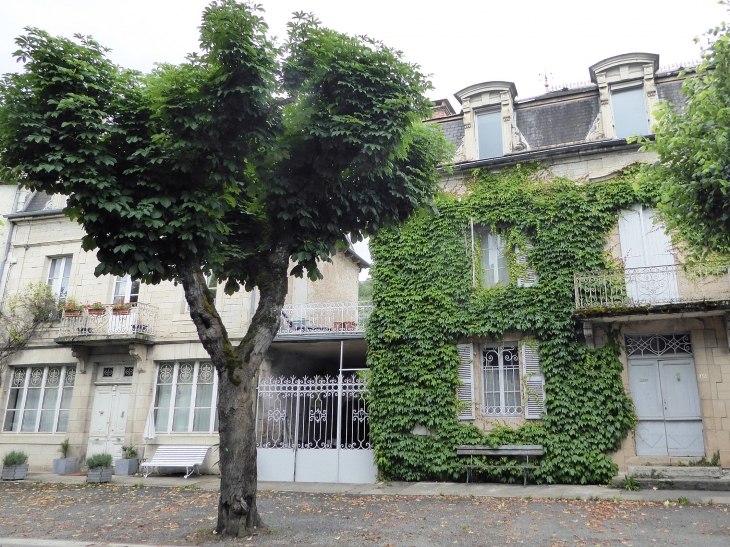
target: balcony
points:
(106, 325)
(661, 289)
(325, 319)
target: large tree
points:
(693, 144)
(238, 161)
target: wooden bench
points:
(525, 451)
(189, 457)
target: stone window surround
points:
(622, 72)
(488, 96)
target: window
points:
(489, 134)
(125, 290)
(58, 275)
(501, 392)
(185, 399)
(629, 112)
(494, 263)
(40, 399)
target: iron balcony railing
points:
(650, 286)
(139, 321)
(325, 318)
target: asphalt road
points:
(186, 516)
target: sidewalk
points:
(493, 490)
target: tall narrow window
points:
(126, 290)
(40, 399)
(185, 399)
(489, 134)
(629, 112)
(494, 263)
(58, 275)
(501, 393)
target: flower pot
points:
(345, 325)
(14, 472)
(96, 311)
(123, 311)
(126, 467)
(63, 466)
(99, 474)
(72, 313)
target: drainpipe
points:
(3, 281)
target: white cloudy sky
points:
(459, 44)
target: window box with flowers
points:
(97, 308)
(71, 308)
(121, 309)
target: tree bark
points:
(237, 369)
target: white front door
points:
(667, 407)
(645, 244)
(109, 420)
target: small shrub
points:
(16, 457)
(65, 446)
(99, 460)
(631, 484)
(683, 501)
(715, 461)
(129, 452)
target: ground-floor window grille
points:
(501, 391)
(40, 399)
(186, 397)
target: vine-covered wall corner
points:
(427, 299)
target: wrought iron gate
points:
(313, 430)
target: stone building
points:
(130, 370)
(673, 321)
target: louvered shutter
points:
(534, 383)
(466, 375)
(528, 278)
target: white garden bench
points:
(189, 457)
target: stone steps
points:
(676, 478)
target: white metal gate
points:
(314, 430)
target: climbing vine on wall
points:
(426, 301)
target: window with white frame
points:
(126, 290)
(185, 398)
(489, 134)
(40, 399)
(501, 390)
(494, 261)
(628, 106)
(59, 274)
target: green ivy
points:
(426, 301)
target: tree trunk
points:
(237, 368)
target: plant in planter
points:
(64, 464)
(121, 309)
(97, 308)
(129, 463)
(100, 468)
(71, 308)
(15, 466)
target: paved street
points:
(186, 516)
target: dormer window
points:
(489, 134)
(629, 112)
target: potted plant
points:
(15, 466)
(97, 308)
(100, 468)
(129, 463)
(64, 464)
(121, 309)
(71, 308)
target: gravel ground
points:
(186, 516)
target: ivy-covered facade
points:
(539, 300)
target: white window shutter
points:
(534, 383)
(528, 278)
(466, 375)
